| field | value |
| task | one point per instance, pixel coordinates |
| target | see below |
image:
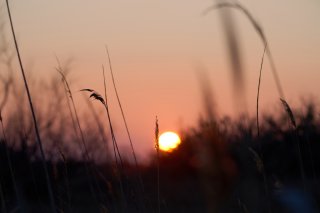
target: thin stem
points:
(99, 124)
(114, 141)
(109, 118)
(126, 126)
(259, 31)
(82, 139)
(258, 93)
(158, 161)
(43, 158)
(122, 113)
(258, 129)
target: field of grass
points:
(54, 158)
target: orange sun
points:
(168, 141)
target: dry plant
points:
(118, 159)
(259, 31)
(258, 91)
(262, 36)
(82, 144)
(99, 124)
(43, 158)
(234, 49)
(128, 132)
(157, 147)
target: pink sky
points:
(156, 47)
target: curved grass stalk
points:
(99, 124)
(43, 158)
(258, 91)
(259, 31)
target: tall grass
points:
(128, 132)
(114, 141)
(49, 186)
(158, 162)
(259, 30)
(99, 124)
(117, 155)
(83, 146)
(258, 91)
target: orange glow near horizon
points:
(157, 51)
(168, 141)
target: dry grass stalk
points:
(99, 124)
(118, 159)
(116, 149)
(68, 90)
(121, 109)
(258, 91)
(83, 148)
(126, 126)
(289, 112)
(158, 161)
(234, 49)
(259, 31)
(43, 158)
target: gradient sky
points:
(156, 48)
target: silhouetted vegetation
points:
(232, 177)
(54, 157)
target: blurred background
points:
(194, 65)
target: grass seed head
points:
(289, 112)
(157, 135)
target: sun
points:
(168, 141)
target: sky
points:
(157, 48)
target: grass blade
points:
(43, 158)
(258, 92)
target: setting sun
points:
(169, 141)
